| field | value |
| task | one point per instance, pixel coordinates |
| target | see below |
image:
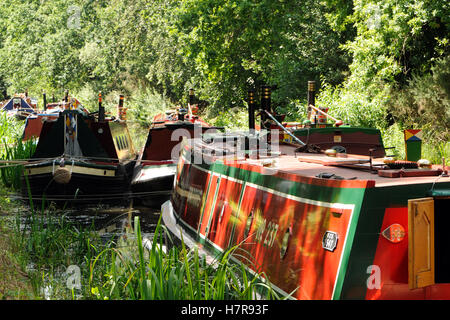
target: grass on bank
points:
(14, 281)
(49, 249)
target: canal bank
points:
(14, 282)
(113, 253)
(48, 253)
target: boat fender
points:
(62, 175)
(424, 164)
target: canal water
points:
(107, 220)
(110, 221)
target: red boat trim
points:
(156, 162)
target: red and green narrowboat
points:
(80, 157)
(317, 225)
(155, 168)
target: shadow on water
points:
(109, 221)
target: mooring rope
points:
(89, 197)
(18, 163)
(34, 161)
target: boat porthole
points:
(248, 224)
(285, 243)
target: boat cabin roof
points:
(350, 167)
(286, 159)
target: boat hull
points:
(314, 238)
(81, 160)
(155, 169)
(88, 183)
(152, 184)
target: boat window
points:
(119, 143)
(285, 243)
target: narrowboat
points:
(50, 112)
(316, 224)
(20, 106)
(80, 157)
(155, 168)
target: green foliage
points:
(395, 38)
(10, 130)
(357, 108)
(237, 45)
(425, 102)
(232, 119)
(368, 54)
(145, 104)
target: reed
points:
(11, 173)
(11, 148)
(155, 273)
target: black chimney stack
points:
(191, 96)
(265, 106)
(251, 109)
(101, 109)
(44, 95)
(311, 96)
(121, 97)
